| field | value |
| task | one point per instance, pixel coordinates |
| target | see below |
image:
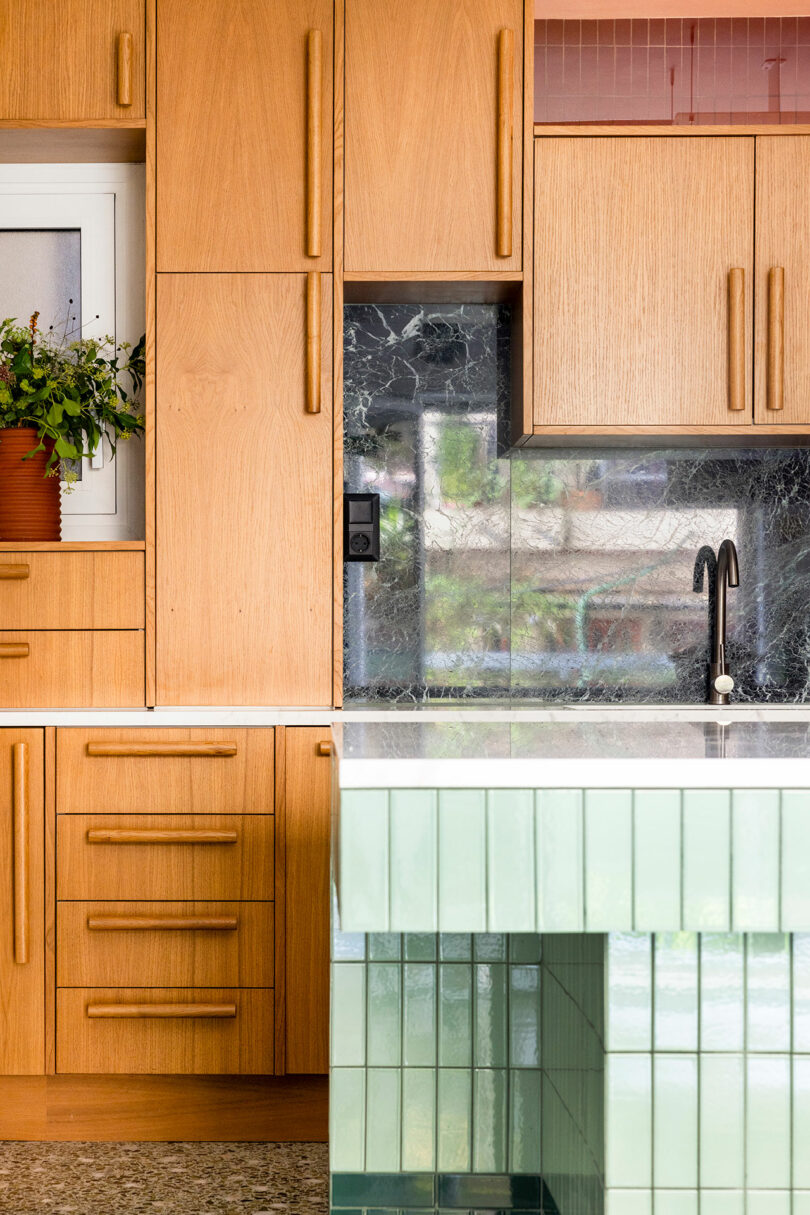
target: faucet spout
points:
(726, 574)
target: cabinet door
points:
(428, 114)
(22, 897)
(244, 499)
(635, 239)
(306, 829)
(244, 134)
(782, 364)
(65, 61)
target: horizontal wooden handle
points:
(314, 342)
(314, 156)
(324, 748)
(776, 339)
(162, 923)
(736, 339)
(506, 72)
(14, 649)
(14, 573)
(168, 750)
(161, 1010)
(124, 66)
(149, 835)
(20, 816)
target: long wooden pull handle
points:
(506, 70)
(314, 141)
(14, 573)
(146, 835)
(169, 750)
(161, 1010)
(14, 649)
(162, 923)
(125, 69)
(20, 814)
(314, 342)
(736, 339)
(776, 338)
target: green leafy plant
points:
(70, 392)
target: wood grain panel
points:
(72, 591)
(241, 1044)
(197, 784)
(631, 297)
(169, 953)
(422, 134)
(242, 869)
(244, 541)
(239, 124)
(64, 670)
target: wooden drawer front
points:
(158, 944)
(193, 771)
(71, 590)
(164, 1030)
(66, 670)
(160, 856)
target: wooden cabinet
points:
(245, 490)
(244, 135)
(75, 60)
(434, 103)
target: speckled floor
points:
(163, 1178)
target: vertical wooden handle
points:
(776, 338)
(19, 766)
(506, 69)
(736, 339)
(314, 141)
(314, 342)
(125, 69)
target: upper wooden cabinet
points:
(244, 135)
(434, 122)
(643, 282)
(71, 60)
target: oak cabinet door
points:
(433, 135)
(635, 313)
(22, 897)
(244, 135)
(245, 489)
(782, 368)
(64, 61)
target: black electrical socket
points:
(361, 527)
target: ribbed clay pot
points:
(30, 504)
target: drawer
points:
(164, 1030)
(192, 771)
(67, 670)
(162, 856)
(71, 590)
(163, 944)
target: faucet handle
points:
(724, 684)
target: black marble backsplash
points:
(560, 576)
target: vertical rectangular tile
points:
(524, 1122)
(454, 1119)
(768, 994)
(383, 1132)
(420, 946)
(455, 947)
(676, 991)
(628, 1202)
(801, 992)
(418, 1120)
(455, 1014)
(628, 1120)
(657, 860)
(706, 860)
(347, 1119)
(348, 1014)
(559, 860)
(510, 861)
(490, 1005)
(490, 947)
(801, 1122)
(675, 1118)
(524, 1016)
(768, 1202)
(628, 991)
(722, 1202)
(384, 947)
(608, 860)
(767, 1141)
(722, 1122)
(490, 1121)
(722, 998)
(801, 1202)
(462, 860)
(384, 1014)
(676, 1202)
(795, 915)
(419, 1014)
(414, 837)
(755, 860)
(363, 867)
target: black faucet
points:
(724, 572)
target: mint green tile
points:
(675, 991)
(801, 992)
(628, 1120)
(383, 1132)
(414, 859)
(490, 1121)
(347, 1119)
(755, 860)
(363, 860)
(418, 1120)
(511, 879)
(419, 946)
(767, 1140)
(722, 1121)
(559, 860)
(608, 860)
(490, 1015)
(657, 860)
(801, 1122)
(628, 991)
(768, 1202)
(722, 998)
(795, 915)
(385, 947)
(628, 1202)
(525, 947)
(384, 1014)
(675, 1119)
(801, 1202)
(723, 1202)
(524, 1121)
(706, 866)
(454, 1109)
(524, 1016)
(490, 947)
(462, 860)
(419, 1014)
(768, 992)
(455, 947)
(348, 1014)
(676, 1202)
(455, 1014)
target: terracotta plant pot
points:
(30, 505)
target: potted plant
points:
(59, 399)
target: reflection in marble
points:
(561, 575)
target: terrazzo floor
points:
(164, 1178)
